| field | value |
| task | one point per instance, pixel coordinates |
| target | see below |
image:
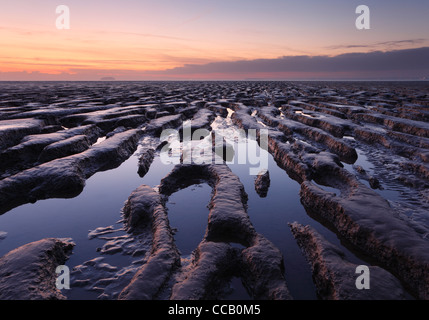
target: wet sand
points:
(346, 185)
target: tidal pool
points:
(101, 201)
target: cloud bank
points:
(395, 65)
(409, 62)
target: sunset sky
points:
(208, 39)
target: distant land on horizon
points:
(229, 80)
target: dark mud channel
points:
(344, 183)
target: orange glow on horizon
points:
(148, 37)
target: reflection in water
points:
(304, 114)
(103, 197)
(187, 213)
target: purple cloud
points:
(409, 61)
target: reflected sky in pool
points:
(99, 204)
(103, 197)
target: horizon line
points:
(232, 80)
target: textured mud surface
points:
(28, 272)
(333, 274)
(358, 151)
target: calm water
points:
(100, 204)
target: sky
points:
(213, 40)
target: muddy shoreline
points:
(359, 152)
